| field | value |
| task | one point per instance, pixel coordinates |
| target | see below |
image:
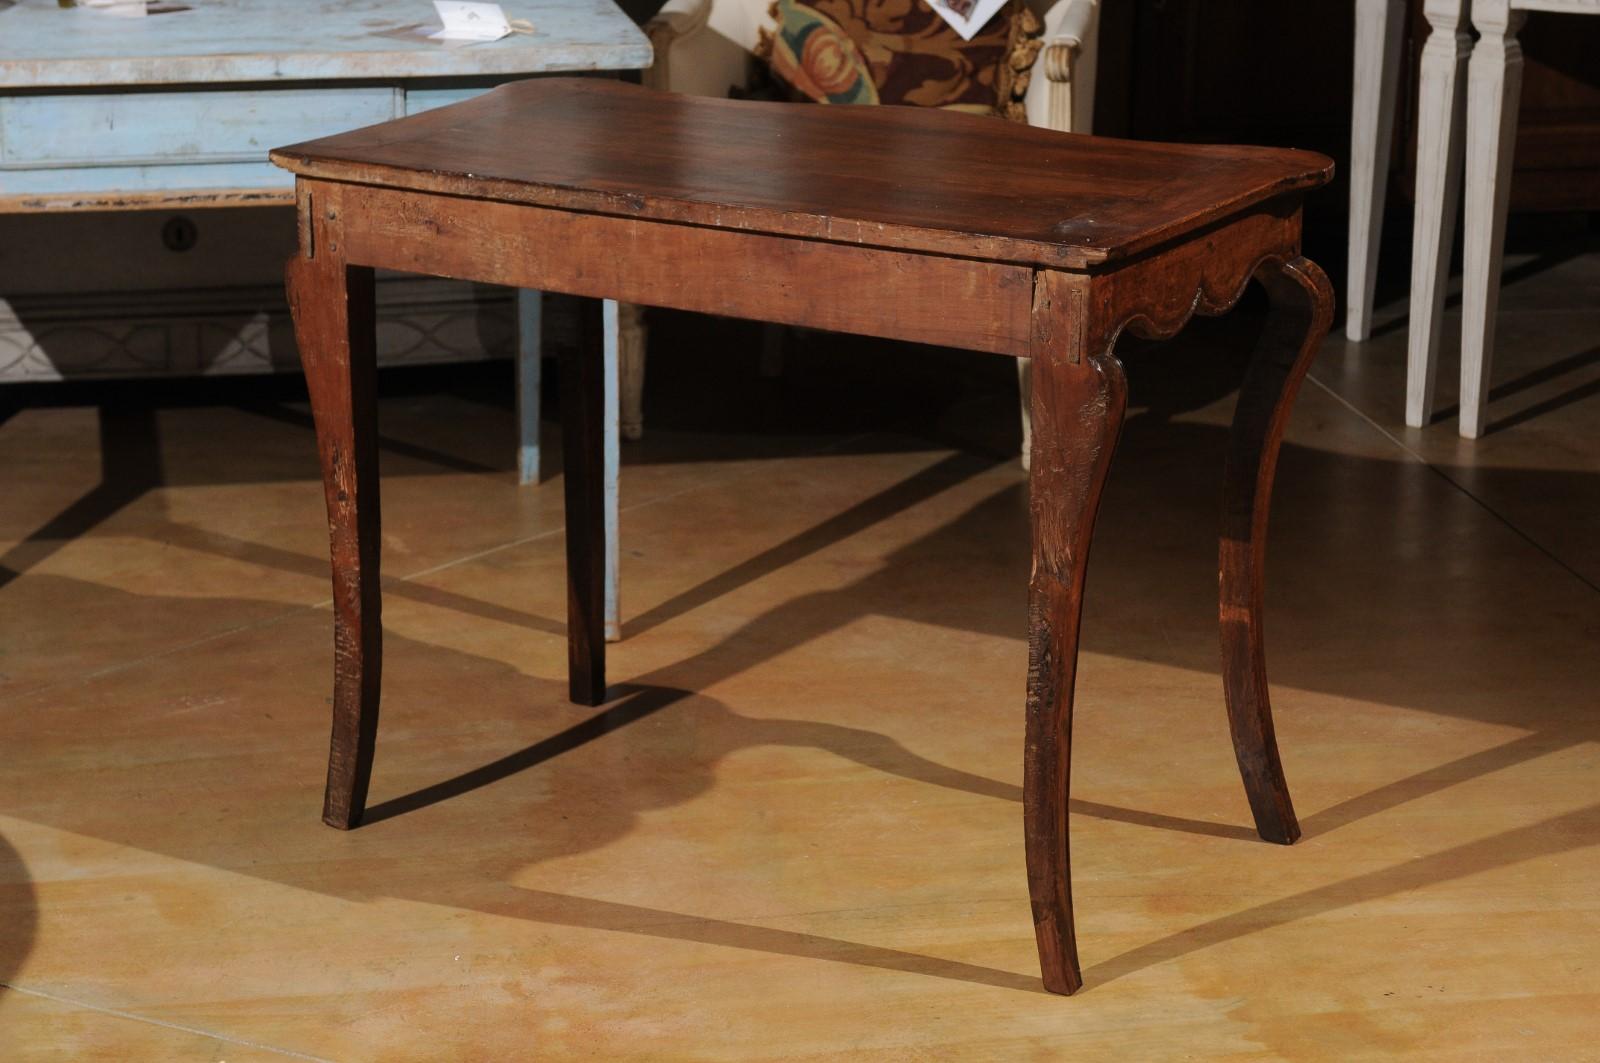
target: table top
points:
(43, 45)
(903, 177)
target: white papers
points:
(127, 8)
(464, 21)
(967, 16)
(119, 8)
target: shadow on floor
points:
(1554, 371)
(20, 919)
(660, 744)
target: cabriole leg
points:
(1302, 313)
(1078, 404)
(332, 305)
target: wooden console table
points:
(896, 222)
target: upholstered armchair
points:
(709, 47)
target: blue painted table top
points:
(99, 112)
(43, 45)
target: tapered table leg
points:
(1302, 314)
(333, 315)
(583, 456)
(612, 384)
(1441, 92)
(1379, 29)
(1079, 397)
(530, 363)
(1494, 89)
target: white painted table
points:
(1466, 126)
(179, 110)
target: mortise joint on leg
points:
(308, 227)
(1057, 333)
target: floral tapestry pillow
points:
(901, 51)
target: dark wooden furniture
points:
(895, 222)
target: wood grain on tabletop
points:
(907, 178)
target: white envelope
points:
(464, 21)
(120, 8)
(967, 16)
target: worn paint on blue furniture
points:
(45, 46)
(103, 111)
(99, 113)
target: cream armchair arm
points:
(704, 47)
(1060, 92)
(676, 20)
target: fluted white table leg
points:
(1494, 82)
(1377, 68)
(1439, 153)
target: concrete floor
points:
(795, 831)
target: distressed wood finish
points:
(332, 303)
(888, 268)
(1070, 200)
(1156, 296)
(1303, 304)
(1077, 320)
(1079, 396)
(950, 301)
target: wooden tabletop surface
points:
(882, 176)
(43, 45)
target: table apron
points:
(954, 302)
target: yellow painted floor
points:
(794, 832)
